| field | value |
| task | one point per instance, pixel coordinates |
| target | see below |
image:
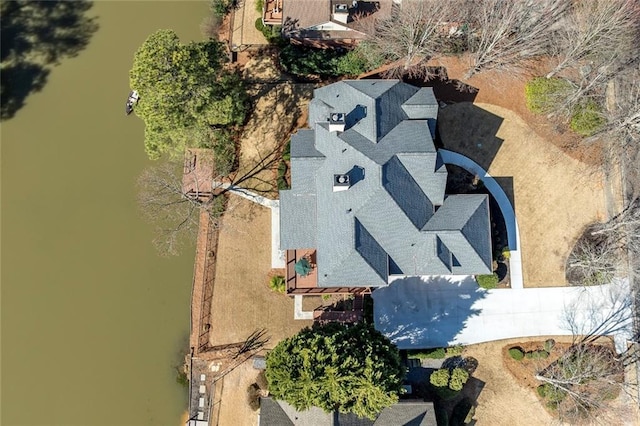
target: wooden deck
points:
(297, 284)
(272, 12)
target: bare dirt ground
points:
(242, 300)
(554, 195)
(503, 400)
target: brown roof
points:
(298, 15)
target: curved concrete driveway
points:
(427, 312)
(513, 236)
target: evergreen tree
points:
(353, 369)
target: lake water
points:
(93, 321)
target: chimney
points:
(341, 182)
(341, 12)
(336, 122)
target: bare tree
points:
(414, 33)
(507, 33)
(593, 261)
(583, 381)
(596, 31)
(173, 195)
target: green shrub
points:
(440, 378)
(542, 94)
(286, 152)
(259, 6)
(516, 353)
(541, 354)
(549, 344)
(506, 254)
(459, 377)
(587, 118)
(553, 395)
(454, 350)
(436, 353)
(541, 391)
(277, 284)
(487, 281)
(352, 64)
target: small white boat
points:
(131, 101)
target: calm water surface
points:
(92, 319)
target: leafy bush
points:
(516, 353)
(259, 6)
(551, 393)
(436, 353)
(454, 350)
(487, 281)
(305, 61)
(459, 377)
(540, 354)
(543, 93)
(549, 344)
(286, 152)
(587, 119)
(506, 254)
(440, 378)
(181, 377)
(277, 284)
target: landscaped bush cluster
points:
(283, 167)
(449, 382)
(306, 61)
(539, 354)
(543, 94)
(487, 281)
(518, 353)
(436, 353)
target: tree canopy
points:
(183, 87)
(353, 369)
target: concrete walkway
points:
(513, 234)
(277, 256)
(426, 312)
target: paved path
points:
(277, 256)
(425, 312)
(513, 234)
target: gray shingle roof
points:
(279, 413)
(395, 213)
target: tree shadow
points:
(34, 37)
(425, 312)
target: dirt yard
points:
(242, 299)
(555, 196)
(503, 401)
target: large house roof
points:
(393, 218)
(279, 413)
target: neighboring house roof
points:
(317, 19)
(394, 218)
(279, 413)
